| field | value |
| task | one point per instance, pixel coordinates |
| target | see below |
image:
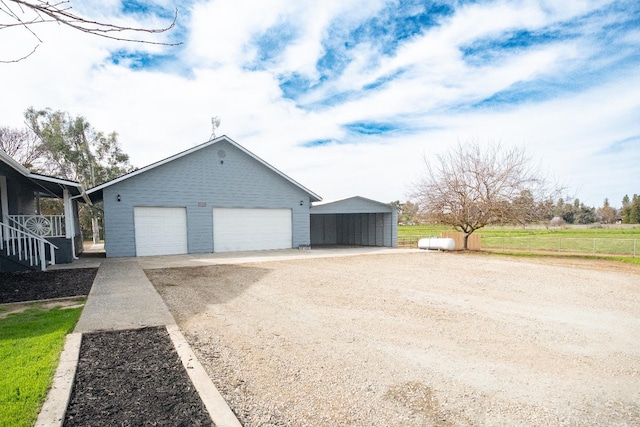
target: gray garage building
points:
(220, 197)
(355, 221)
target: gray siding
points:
(359, 229)
(201, 181)
(352, 205)
(355, 221)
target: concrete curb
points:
(55, 405)
(217, 407)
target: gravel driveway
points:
(415, 339)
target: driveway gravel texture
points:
(416, 339)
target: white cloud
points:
(160, 111)
(221, 31)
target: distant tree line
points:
(630, 212)
(562, 211)
(548, 212)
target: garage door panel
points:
(240, 229)
(160, 231)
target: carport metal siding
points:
(357, 229)
(200, 182)
(354, 221)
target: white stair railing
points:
(26, 247)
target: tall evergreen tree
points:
(626, 210)
(634, 214)
(607, 213)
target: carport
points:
(355, 221)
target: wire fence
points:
(408, 241)
(604, 246)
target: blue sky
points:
(349, 97)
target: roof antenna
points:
(215, 124)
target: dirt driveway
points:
(415, 339)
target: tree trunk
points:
(95, 227)
(464, 241)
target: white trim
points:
(27, 173)
(194, 149)
(15, 165)
(69, 220)
(55, 180)
(5, 158)
(336, 206)
(4, 200)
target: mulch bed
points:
(40, 285)
(124, 378)
(133, 378)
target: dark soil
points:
(133, 378)
(39, 285)
(124, 378)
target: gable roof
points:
(49, 184)
(95, 193)
(354, 204)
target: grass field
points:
(610, 232)
(617, 240)
(30, 347)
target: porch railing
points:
(40, 225)
(23, 246)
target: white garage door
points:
(251, 229)
(160, 231)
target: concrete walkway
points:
(123, 298)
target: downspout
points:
(70, 229)
(38, 208)
(83, 195)
(4, 202)
(94, 221)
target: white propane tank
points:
(437, 243)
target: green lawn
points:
(606, 240)
(421, 230)
(610, 232)
(30, 347)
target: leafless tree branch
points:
(60, 12)
(21, 58)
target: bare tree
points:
(472, 186)
(25, 147)
(26, 14)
